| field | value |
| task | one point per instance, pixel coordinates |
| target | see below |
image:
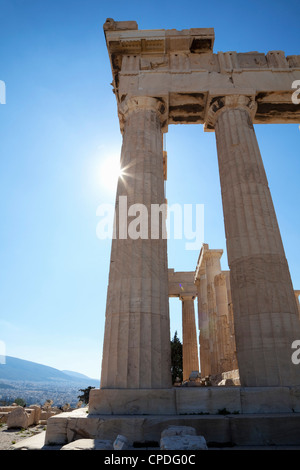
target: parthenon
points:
(249, 315)
(164, 77)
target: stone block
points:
(18, 418)
(295, 399)
(183, 442)
(265, 429)
(202, 400)
(31, 416)
(57, 430)
(265, 400)
(37, 413)
(89, 444)
(178, 431)
(120, 443)
(132, 401)
(3, 416)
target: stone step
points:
(276, 429)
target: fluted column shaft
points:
(297, 293)
(265, 311)
(189, 337)
(136, 351)
(203, 323)
(226, 346)
(213, 267)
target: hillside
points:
(77, 375)
(20, 370)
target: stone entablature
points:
(181, 282)
(181, 69)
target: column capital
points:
(220, 279)
(184, 297)
(131, 104)
(213, 254)
(220, 103)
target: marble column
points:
(264, 304)
(226, 347)
(136, 351)
(231, 320)
(203, 323)
(189, 337)
(213, 267)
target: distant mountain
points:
(20, 370)
(76, 374)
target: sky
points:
(59, 134)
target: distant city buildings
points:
(37, 393)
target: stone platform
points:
(194, 400)
(281, 429)
(262, 416)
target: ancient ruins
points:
(248, 316)
(165, 77)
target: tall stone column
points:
(203, 324)
(226, 346)
(297, 293)
(265, 310)
(136, 351)
(189, 337)
(213, 267)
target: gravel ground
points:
(11, 436)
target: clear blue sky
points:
(57, 128)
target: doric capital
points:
(211, 254)
(139, 103)
(220, 279)
(207, 257)
(219, 104)
(185, 297)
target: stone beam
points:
(181, 284)
(180, 68)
